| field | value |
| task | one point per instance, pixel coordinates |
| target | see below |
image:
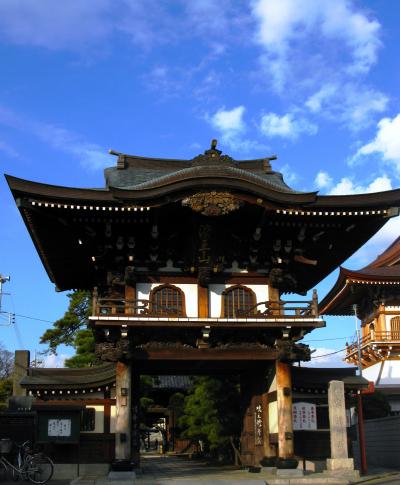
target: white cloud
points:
(285, 26)
(53, 360)
(8, 150)
(315, 102)
(40, 24)
(352, 104)
(229, 121)
(376, 245)
(359, 104)
(82, 23)
(326, 357)
(289, 175)
(232, 128)
(230, 124)
(323, 180)
(90, 155)
(386, 142)
(347, 186)
(285, 126)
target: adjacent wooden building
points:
(373, 295)
(188, 262)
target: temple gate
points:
(188, 262)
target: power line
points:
(33, 318)
(326, 355)
(326, 339)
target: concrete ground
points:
(172, 470)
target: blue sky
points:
(315, 82)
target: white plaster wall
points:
(98, 418)
(394, 404)
(215, 301)
(113, 415)
(190, 291)
(389, 317)
(390, 375)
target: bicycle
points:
(35, 467)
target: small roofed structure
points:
(374, 292)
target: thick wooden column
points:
(284, 398)
(135, 438)
(123, 396)
(254, 436)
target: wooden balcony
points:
(144, 309)
(374, 339)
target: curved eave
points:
(340, 298)
(389, 257)
(389, 198)
(20, 187)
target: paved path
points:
(160, 470)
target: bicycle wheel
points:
(3, 472)
(39, 468)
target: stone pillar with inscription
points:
(339, 461)
(123, 396)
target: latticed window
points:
(238, 301)
(395, 327)
(167, 300)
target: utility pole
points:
(4, 279)
(361, 431)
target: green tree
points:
(211, 414)
(6, 369)
(6, 387)
(73, 330)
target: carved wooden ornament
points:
(212, 203)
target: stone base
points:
(116, 476)
(289, 472)
(339, 464)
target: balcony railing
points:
(147, 308)
(383, 337)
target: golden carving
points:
(212, 203)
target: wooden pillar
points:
(130, 297)
(202, 296)
(254, 434)
(274, 298)
(123, 396)
(284, 398)
(135, 439)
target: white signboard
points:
(304, 416)
(59, 427)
